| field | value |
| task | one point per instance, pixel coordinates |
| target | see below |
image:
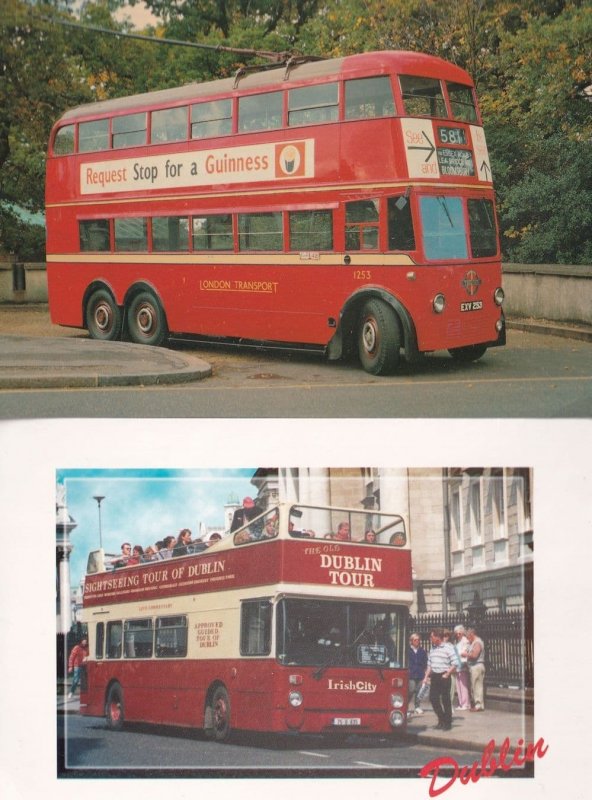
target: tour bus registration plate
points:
(347, 721)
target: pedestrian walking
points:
(475, 653)
(78, 656)
(418, 663)
(442, 661)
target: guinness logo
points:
(471, 283)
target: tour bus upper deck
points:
(337, 548)
(394, 62)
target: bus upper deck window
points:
(422, 97)
(213, 118)
(129, 131)
(63, 143)
(93, 135)
(169, 125)
(310, 105)
(369, 97)
(260, 112)
(462, 102)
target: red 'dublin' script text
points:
(485, 768)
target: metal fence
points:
(507, 636)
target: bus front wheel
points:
(103, 317)
(146, 321)
(467, 354)
(114, 710)
(379, 340)
(219, 715)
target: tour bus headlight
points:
(295, 699)
(396, 719)
(499, 296)
(439, 303)
(397, 700)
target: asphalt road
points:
(89, 749)
(534, 376)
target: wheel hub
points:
(369, 336)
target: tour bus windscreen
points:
(326, 632)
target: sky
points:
(143, 506)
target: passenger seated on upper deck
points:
(343, 532)
(167, 549)
(270, 529)
(197, 546)
(126, 554)
(137, 556)
(370, 537)
(215, 537)
(182, 548)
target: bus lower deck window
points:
(400, 224)
(170, 233)
(260, 231)
(311, 230)
(213, 232)
(94, 235)
(131, 234)
(361, 225)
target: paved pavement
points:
(33, 362)
(470, 731)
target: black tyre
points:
(146, 321)
(219, 715)
(470, 353)
(379, 340)
(114, 709)
(102, 316)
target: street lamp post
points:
(98, 498)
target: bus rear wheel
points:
(146, 321)
(219, 715)
(472, 352)
(102, 316)
(114, 709)
(379, 340)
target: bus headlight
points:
(396, 719)
(439, 303)
(397, 701)
(498, 296)
(295, 699)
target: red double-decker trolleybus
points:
(343, 205)
(278, 627)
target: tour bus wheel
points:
(103, 317)
(379, 340)
(114, 711)
(146, 321)
(220, 715)
(470, 353)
